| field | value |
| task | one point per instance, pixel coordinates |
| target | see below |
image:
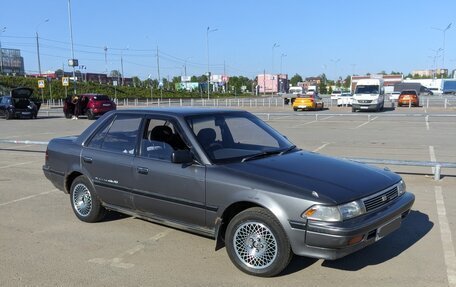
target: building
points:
(429, 73)
(272, 84)
(11, 62)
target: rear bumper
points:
(335, 240)
(55, 177)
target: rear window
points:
(100, 98)
(408, 93)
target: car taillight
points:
(46, 155)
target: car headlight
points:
(374, 101)
(401, 188)
(335, 213)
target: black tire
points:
(353, 110)
(84, 201)
(90, 115)
(68, 115)
(295, 109)
(8, 115)
(267, 238)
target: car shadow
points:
(414, 227)
(113, 216)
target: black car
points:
(19, 104)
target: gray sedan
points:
(228, 175)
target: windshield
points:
(366, 89)
(295, 90)
(100, 98)
(232, 137)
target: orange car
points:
(308, 102)
(408, 97)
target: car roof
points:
(178, 111)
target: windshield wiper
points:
(268, 153)
(287, 150)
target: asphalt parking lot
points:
(42, 243)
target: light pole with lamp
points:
(281, 80)
(443, 48)
(209, 30)
(38, 44)
(272, 68)
(73, 62)
(1, 51)
(335, 65)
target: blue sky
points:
(332, 37)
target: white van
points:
(369, 95)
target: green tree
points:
(59, 73)
(322, 88)
(115, 73)
(136, 81)
(295, 79)
(347, 82)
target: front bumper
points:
(365, 107)
(332, 240)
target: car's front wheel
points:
(84, 201)
(257, 244)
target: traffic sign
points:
(65, 81)
(41, 84)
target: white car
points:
(345, 99)
(394, 96)
(335, 95)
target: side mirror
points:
(181, 156)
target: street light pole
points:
(272, 68)
(443, 48)
(208, 71)
(72, 46)
(38, 45)
(1, 51)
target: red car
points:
(90, 105)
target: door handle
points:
(87, 159)
(142, 170)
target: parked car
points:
(91, 105)
(345, 99)
(335, 94)
(309, 101)
(228, 175)
(19, 104)
(408, 97)
(394, 96)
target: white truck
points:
(369, 95)
(293, 92)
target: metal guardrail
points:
(436, 165)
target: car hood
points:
(335, 180)
(21, 93)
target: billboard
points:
(188, 86)
(185, 78)
(219, 78)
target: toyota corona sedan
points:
(228, 175)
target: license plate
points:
(26, 113)
(302, 107)
(406, 98)
(364, 107)
(387, 228)
(106, 105)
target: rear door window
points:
(120, 137)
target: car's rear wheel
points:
(257, 244)
(295, 109)
(68, 115)
(90, 115)
(85, 203)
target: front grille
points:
(365, 101)
(381, 199)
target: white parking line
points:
(327, 118)
(117, 261)
(363, 124)
(16, 164)
(27, 197)
(321, 147)
(447, 241)
(432, 155)
(307, 123)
